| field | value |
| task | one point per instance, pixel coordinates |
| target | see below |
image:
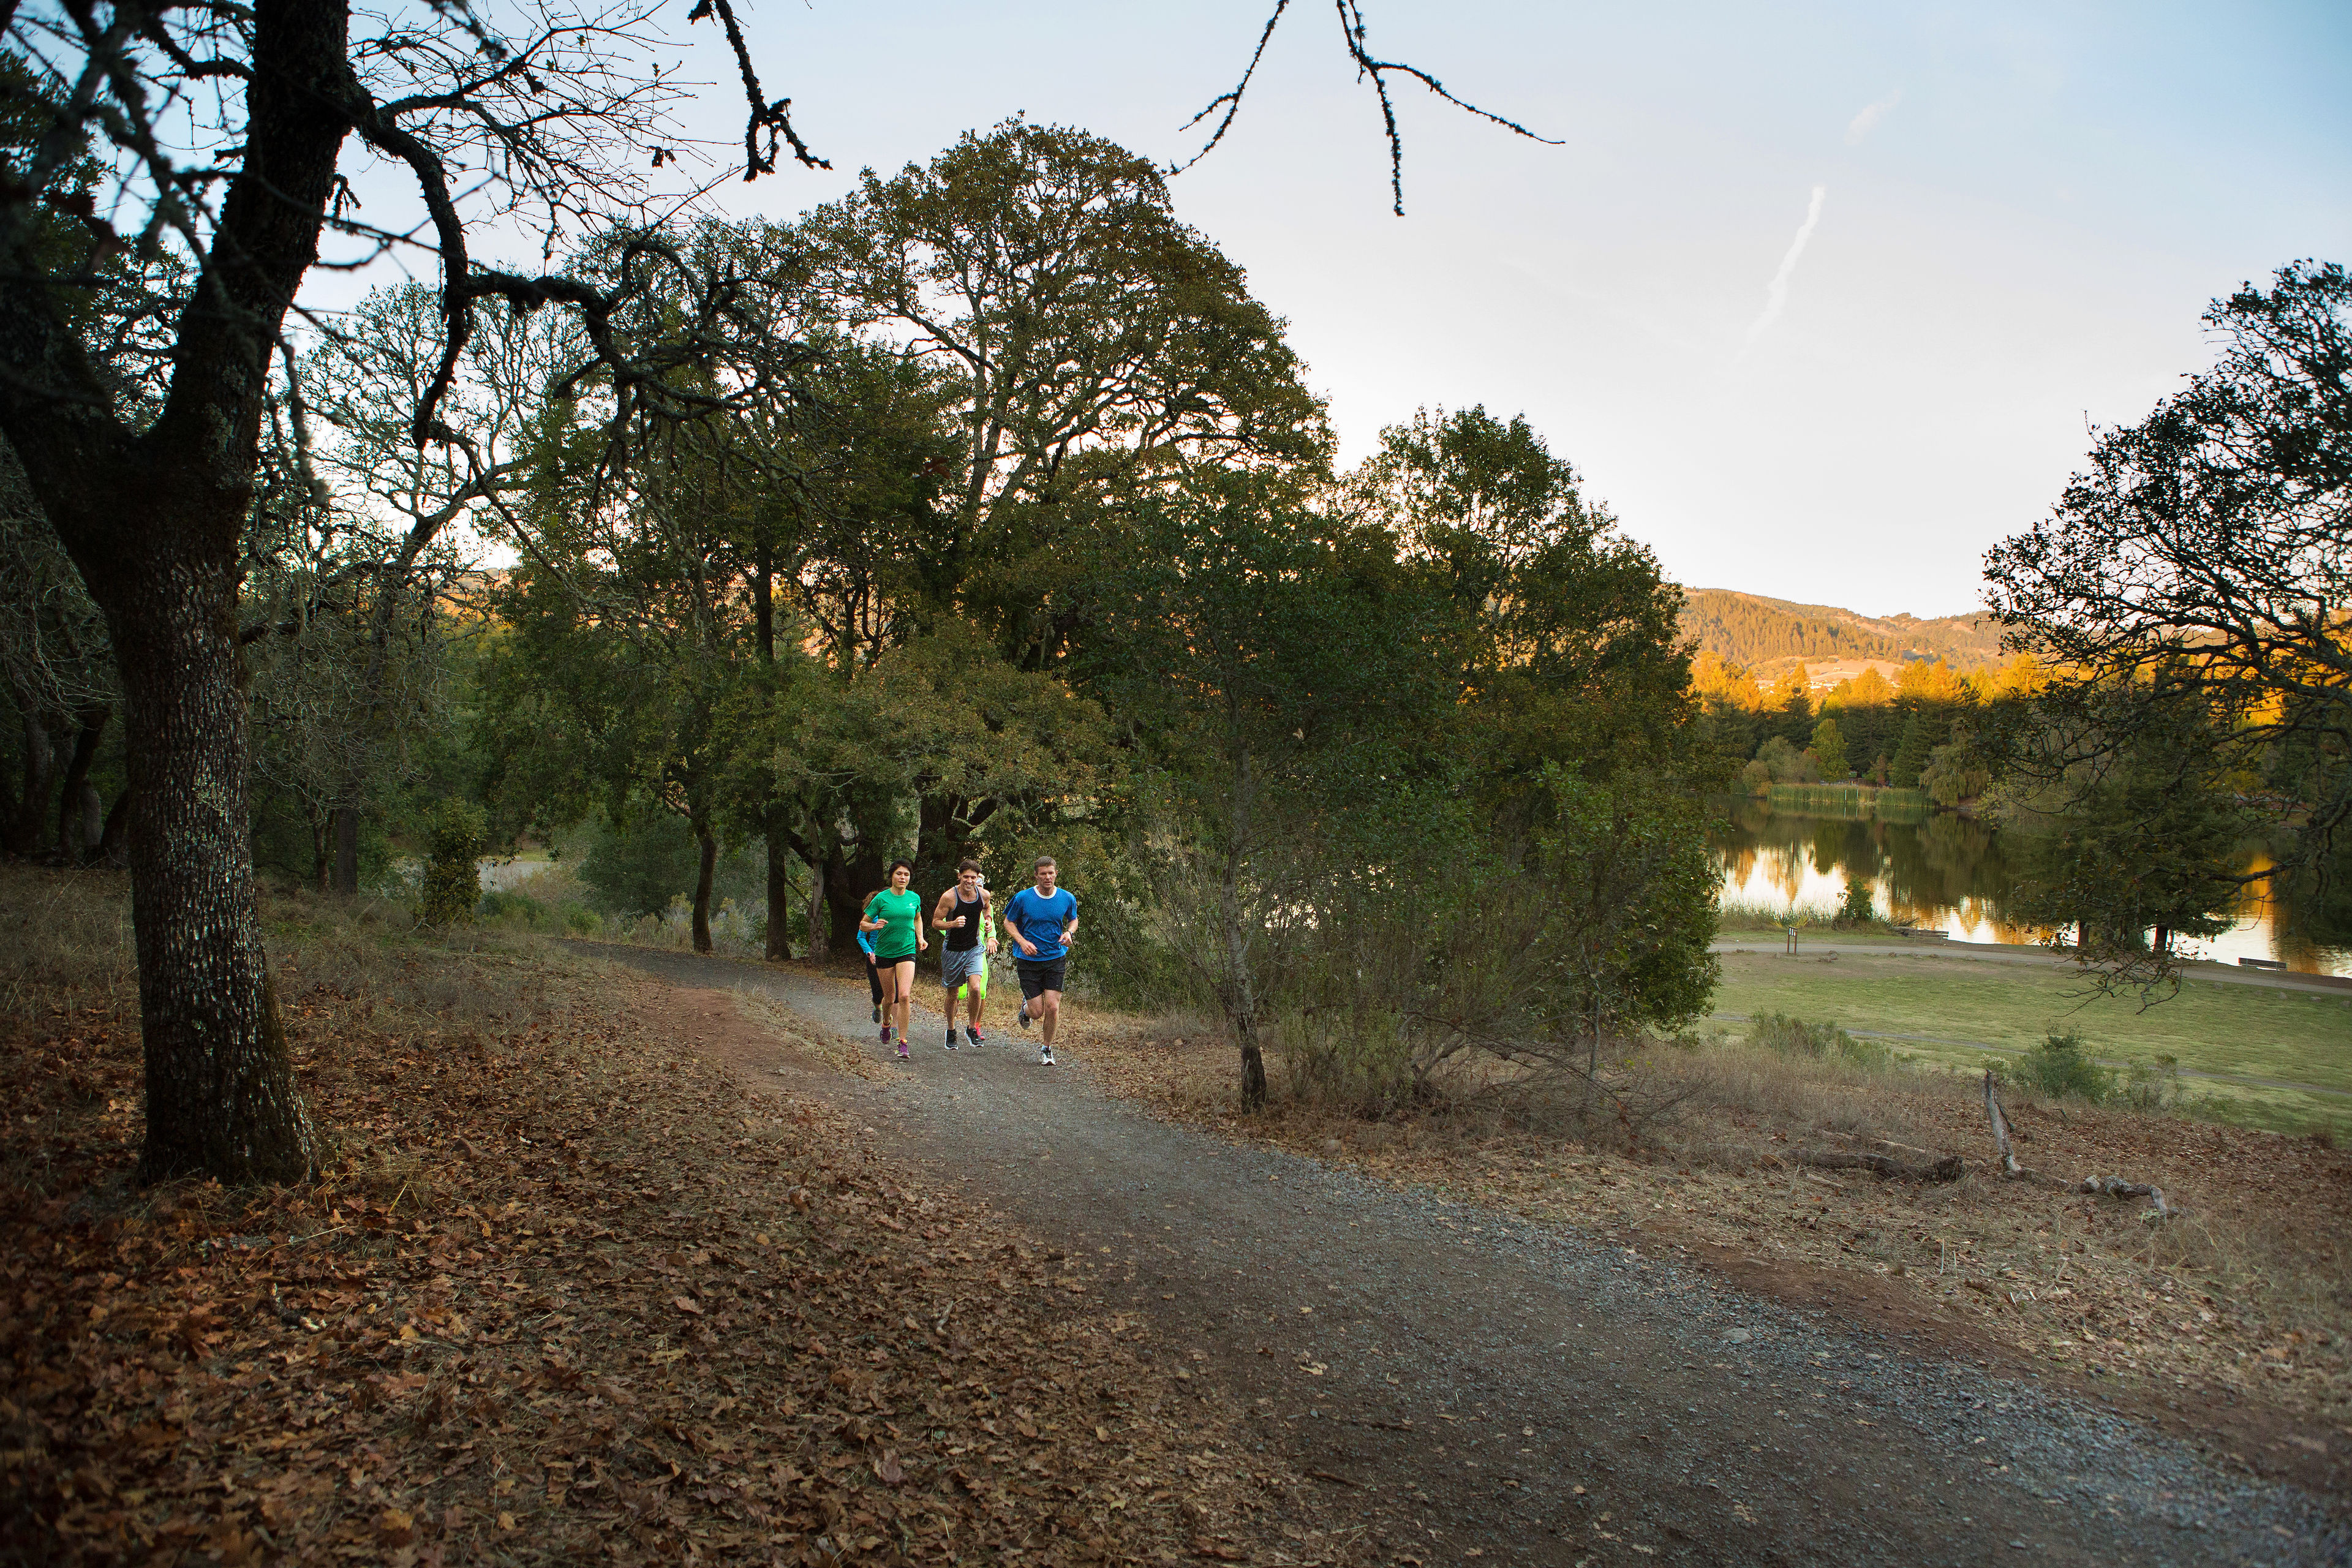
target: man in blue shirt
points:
(1041, 920)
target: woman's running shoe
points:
(878, 1012)
(885, 1034)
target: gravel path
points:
(1464, 1382)
(2037, 958)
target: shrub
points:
(1857, 909)
(1794, 1037)
(514, 908)
(637, 866)
(2152, 1085)
(454, 832)
(1786, 763)
(1363, 1065)
(508, 908)
(2062, 1067)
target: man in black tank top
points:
(962, 917)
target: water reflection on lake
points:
(1944, 872)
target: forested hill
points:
(1749, 629)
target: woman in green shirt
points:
(895, 917)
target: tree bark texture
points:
(21, 834)
(849, 881)
(704, 875)
(322, 846)
(221, 1098)
(1240, 994)
(93, 822)
(818, 947)
(1252, 1074)
(345, 875)
(154, 520)
(71, 845)
(780, 899)
(114, 837)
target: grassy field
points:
(2210, 1027)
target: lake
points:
(1947, 872)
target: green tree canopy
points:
(1829, 750)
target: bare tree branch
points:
(1352, 30)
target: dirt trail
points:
(1463, 1383)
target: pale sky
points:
(1821, 299)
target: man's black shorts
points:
(1039, 975)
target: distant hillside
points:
(1751, 630)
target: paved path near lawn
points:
(1987, 952)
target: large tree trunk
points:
(21, 833)
(849, 881)
(1239, 991)
(345, 876)
(780, 848)
(69, 802)
(114, 839)
(780, 897)
(322, 846)
(221, 1099)
(818, 946)
(154, 520)
(704, 875)
(1253, 1070)
(93, 824)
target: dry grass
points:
(65, 935)
(2250, 1289)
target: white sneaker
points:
(1046, 1057)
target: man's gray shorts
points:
(960, 964)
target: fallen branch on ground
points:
(2117, 1187)
(2112, 1186)
(1948, 1168)
(2009, 1165)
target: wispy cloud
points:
(1776, 294)
(1862, 124)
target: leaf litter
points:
(561, 1293)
